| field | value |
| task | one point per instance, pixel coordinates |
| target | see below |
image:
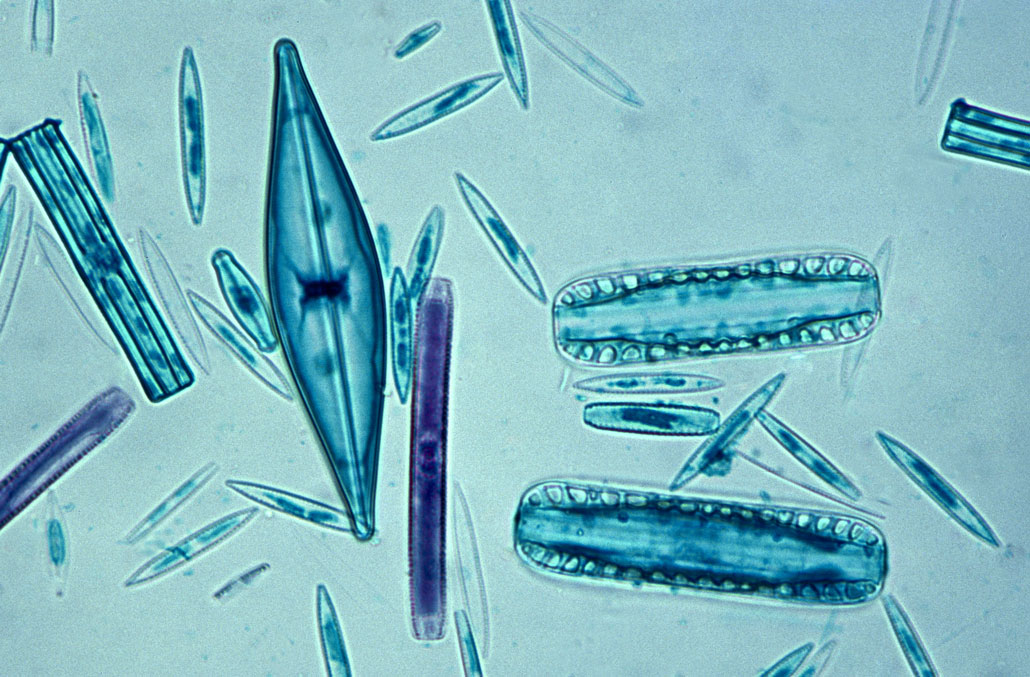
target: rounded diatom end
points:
(285, 49)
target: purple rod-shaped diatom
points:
(87, 428)
(426, 516)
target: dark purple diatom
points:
(87, 428)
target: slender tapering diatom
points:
(401, 322)
(172, 502)
(939, 489)
(245, 300)
(510, 48)
(467, 645)
(610, 534)
(987, 135)
(437, 106)
(7, 208)
(246, 579)
(934, 47)
(743, 306)
(417, 39)
(100, 258)
(43, 20)
(79, 435)
(580, 59)
(788, 664)
(9, 279)
(651, 418)
(807, 455)
(642, 383)
(819, 660)
(295, 505)
(94, 135)
(423, 254)
(57, 543)
(851, 356)
(908, 639)
(326, 288)
(191, 136)
(330, 634)
(470, 570)
(383, 245)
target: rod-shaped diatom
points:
(101, 260)
(437, 106)
(819, 660)
(908, 639)
(807, 455)
(295, 505)
(79, 435)
(234, 340)
(934, 47)
(732, 429)
(470, 570)
(245, 300)
(643, 383)
(94, 135)
(987, 135)
(326, 288)
(9, 279)
(7, 208)
(467, 645)
(580, 59)
(651, 418)
(427, 522)
(383, 245)
(851, 356)
(510, 48)
(789, 663)
(939, 489)
(244, 580)
(330, 634)
(501, 237)
(43, 20)
(423, 255)
(744, 306)
(417, 39)
(169, 292)
(401, 333)
(191, 547)
(615, 535)
(56, 543)
(172, 502)
(191, 136)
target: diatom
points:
(171, 503)
(334, 651)
(191, 136)
(417, 39)
(911, 645)
(580, 59)
(326, 288)
(295, 505)
(230, 589)
(79, 435)
(807, 455)
(9, 281)
(851, 356)
(614, 535)
(57, 543)
(819, 660)
(43, 22)
(510, 48)
(651, 419)
(934, 47)
(788, 664)
(664, 383)
(401, 333)
(427, 524)
(437, 106)
(987, 135)
(7, 207)
(383, 244)
(94, 135)
(467, 645)
(743, 306)
(245, 300)
(470, 570)
(423, 254)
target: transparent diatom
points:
(934, 47)
(987, 135)
(613, 535)
(245, 300)
(11, 274)
(42, 28)
(651, 419)
(467, 645)
(423, 254)
(820, 659)
(7, 209)
(745, 306)
(788, 664)
(470, 569)
(330, 633)
(417, 39)
(295, 505)
(509, 47)
(851, 356)
(172, 502)
(911, 645)
(191, 136)
(94, 134)
(662, 383)
(437, 106)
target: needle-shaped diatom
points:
(911, 645)
(987, 135)
(11, 274)
(470, 570)
(401, 333)
(7, 208)
(417, 39)
(245, 300)
(244, 580)
(437, 106)
(851, 357)
(819, 660)
(790, 662)
(507, 36)
(330, 634)
(643, 383)
(57, 543)
(580, 59)
(191, 136)
(423, 255)
(172, 502)
(651, 418)
(938, 488)
(467, 645)
(735, 425)
(501, 237)
(233, 339)
(43, 23)
(383, 244)
(934, 47)
(295, 505)
(807, 455)
(94, 135)
(191, 547)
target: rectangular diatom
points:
(987, 135)
(610, 534)
(651, 418)
(744, 306)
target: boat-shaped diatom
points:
(743, 306)
(616, 535)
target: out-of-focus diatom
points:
(94, 135)
(9, 281)
(819, 660)
(437, 106)
(939, 489)
(642, 383)
(245, 300)
(911, 645)
(580, 59)
(7, 207)
(851, 357)
(302, 507)
(934, 47)
(334, 651)
(506, 244)
(470, 570)
(616, 535)
(807, 455)
(79, 435)
(745, 306)
(233, 587)
(383, 244)
(735, 425)
(987, 135)
(171, 503)
(191, 136)
(191, 547)
(326, 289)
(173, 300)
(651, 418)
(467, 645)
(57, 543)
(423, 254)
(786, 665)
(233, 339)
(401, 333)
(43, 23)
(427, 523)
(510, 48)
(417, 39)
(101, 260)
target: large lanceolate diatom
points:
(743, 306)
(620, 535)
